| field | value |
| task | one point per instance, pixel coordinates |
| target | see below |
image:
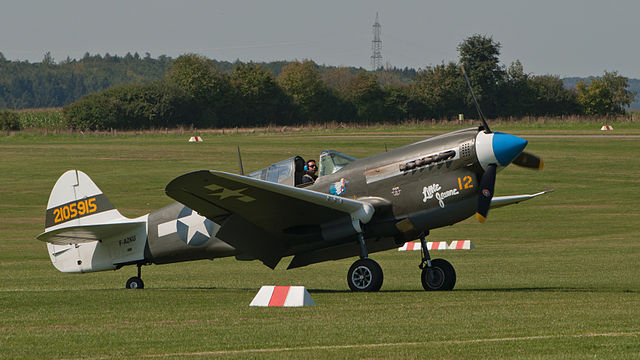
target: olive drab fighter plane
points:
(354, 208)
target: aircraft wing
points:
(500, 201)
(268, 220)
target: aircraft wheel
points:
(440, 276)
(365, 275)
(135, 283)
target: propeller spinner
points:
(494, 150)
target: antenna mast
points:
(376, 46)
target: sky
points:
(557, 37)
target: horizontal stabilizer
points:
(87, 233)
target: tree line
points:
(49, 84)
(25, 85)
(195, 91)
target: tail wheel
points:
(365, 275)
(135, 283)
(440, 276)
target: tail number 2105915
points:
(75, 209)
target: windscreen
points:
(332, 161)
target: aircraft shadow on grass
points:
(557, 289)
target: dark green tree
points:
(439, 92)
(550, 96)
(366, 95)
(301, 81)
(196, 75)
(480, 56)
(397, 102)
(152, 105)
(258, 100)
(317, 103)
(208, 90)
(516, 95)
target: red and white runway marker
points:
(287, 296)
(461, 245)
(606, 128)
(438, 245)
(195, 139)
(435, 245)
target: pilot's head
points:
(311, 167)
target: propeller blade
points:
(475, 101)
(529, 161)
(487, 184)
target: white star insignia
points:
(195, 223)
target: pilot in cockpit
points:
(310, 175)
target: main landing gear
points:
(135, 282)
(437, 274)
(365, 274)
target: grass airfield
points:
(554, 277)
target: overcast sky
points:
(560, 37)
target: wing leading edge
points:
(268, 220)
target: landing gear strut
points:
(135, 282)
(437, 274)
(365, 274)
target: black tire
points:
(439, 277)
(365, 275)
(135, 283)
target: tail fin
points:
(81, 226)
(77, 200)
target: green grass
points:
(555, 277)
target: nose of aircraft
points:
(498, 148)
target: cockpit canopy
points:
(290, 171)
(332, 161)
(286, 172)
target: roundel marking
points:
(193, 229)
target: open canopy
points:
(290, 171)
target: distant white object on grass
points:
(606, 128)
(288, 296)
(195, 139)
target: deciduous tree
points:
(607, 95)
(480, 56)
(439, 92)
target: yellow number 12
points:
(465, 183)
